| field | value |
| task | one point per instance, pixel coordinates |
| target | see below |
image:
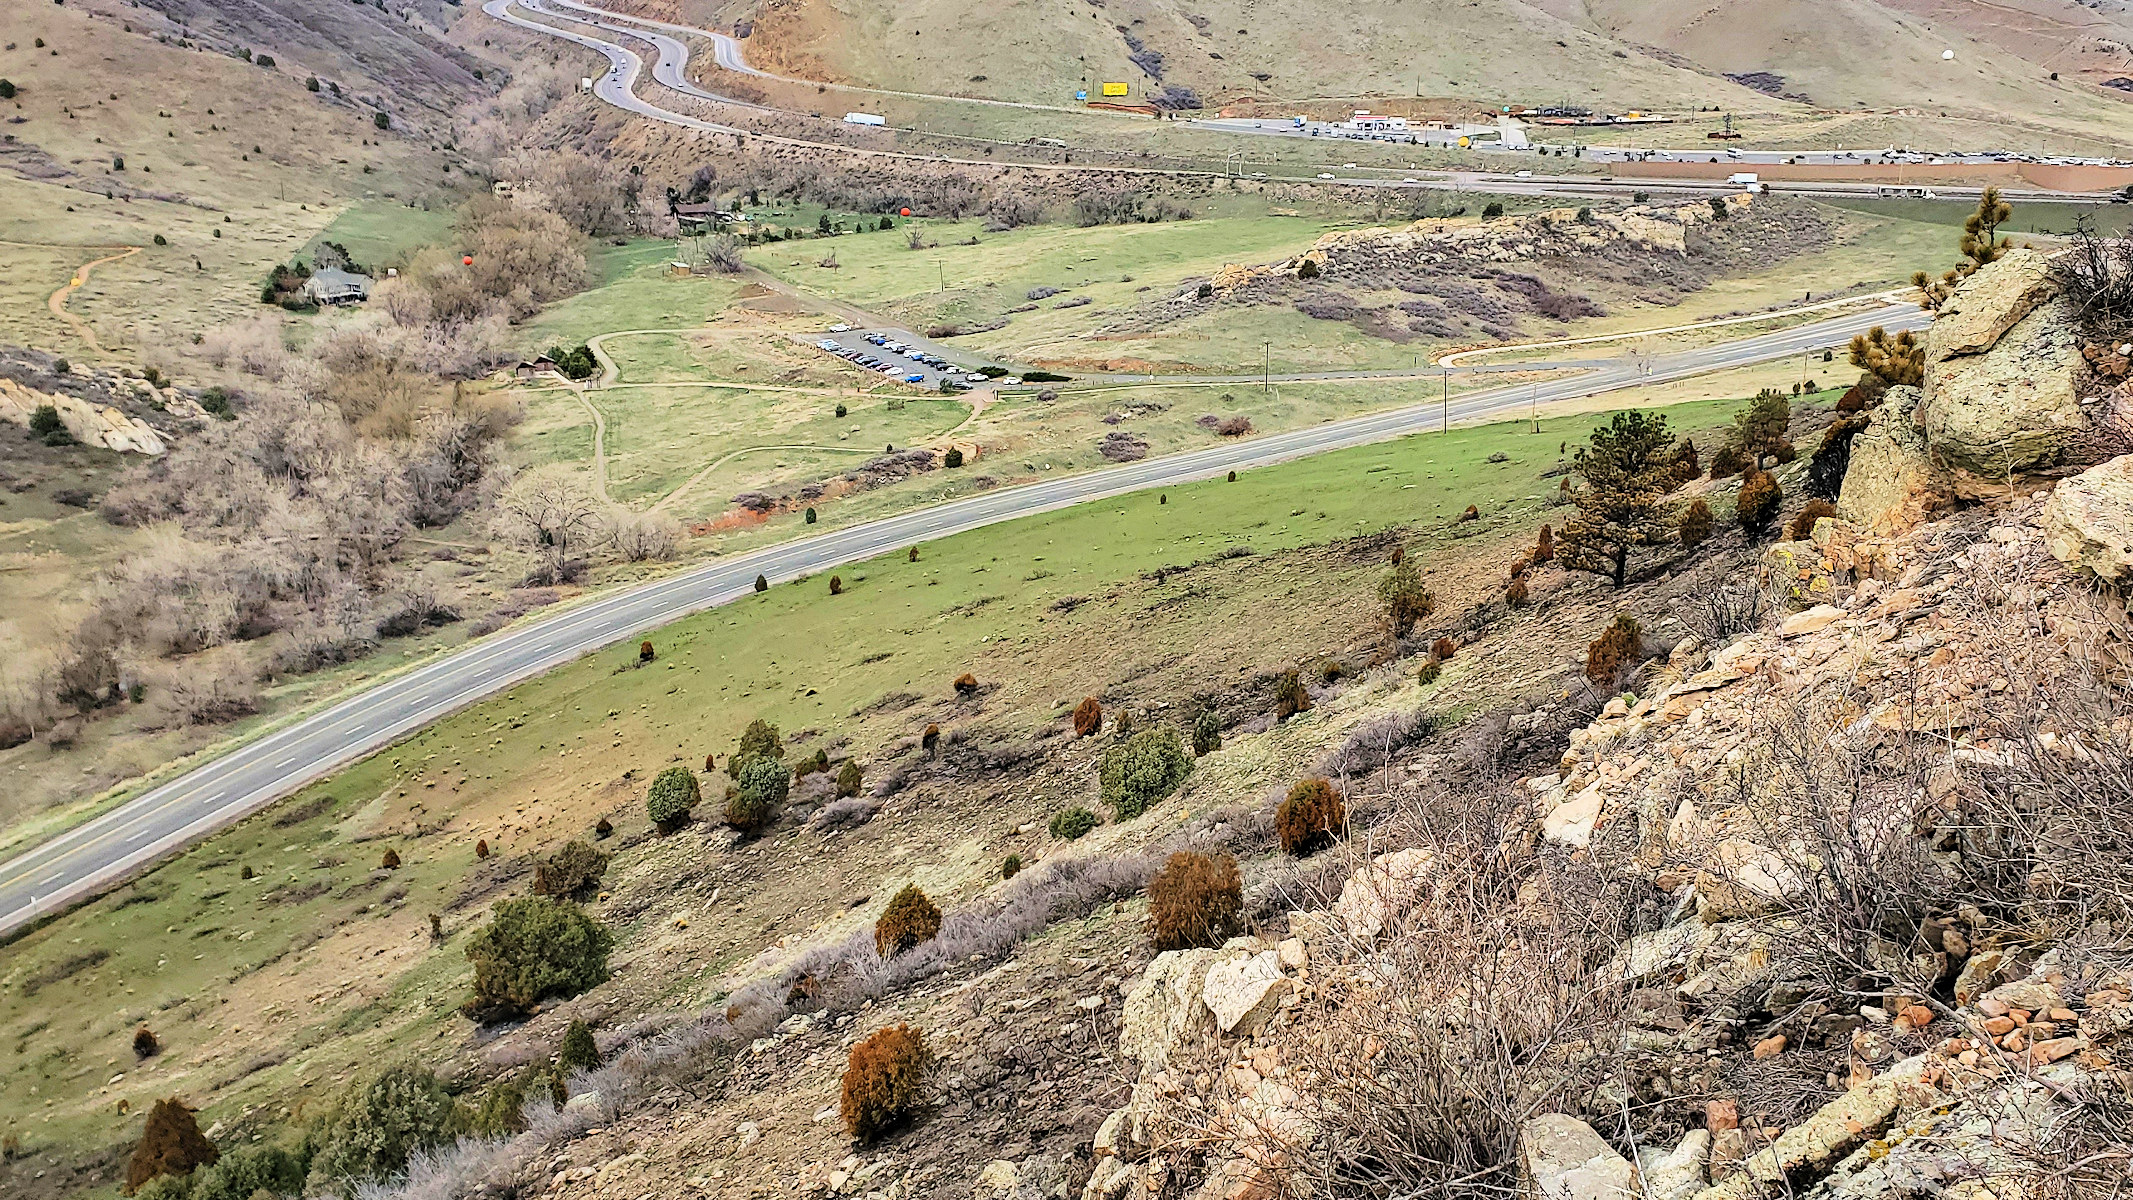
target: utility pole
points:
(1445, 425)
(1534, 414)
(1266, 370)
(943, 273)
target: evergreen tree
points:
(1628, 470)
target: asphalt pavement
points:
(84, 860)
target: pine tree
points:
(1897, 360)
(1628, 470)
(1981, 245)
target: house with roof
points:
(330, 285)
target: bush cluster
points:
(673, 794)
(531, 949)
(884, 1080)
(1616, 649)
(572, 872)
(910, 919)
(1143, 770)
(1404, 598)
(1310, 817)
(848, 777)
(403, 1110)
(1069, 824)
(1728, 462)
(578, 1052)
(760, 787)
(1194, 901)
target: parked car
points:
(840, 329)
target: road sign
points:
(1117, 89)
(1082, 94)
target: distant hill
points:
(1748, 56)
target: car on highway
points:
(1325, 174)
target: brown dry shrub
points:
(390, 861)
(1088, 717)
(1803, 525)
(884, 1080)
(1441, 649)
(1757, 504)
(1614, 650)
(966, 684)
(1544, 550)
(481, 848)
(1695, 524)
(1310, 817)
(910, 919)
(1516, 595)
(145, 1043)
(1194, 901)
(929, 739)
(1728, 462)
(171, 1144)
(1471, 514)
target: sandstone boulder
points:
(1679, 1173)
(1743, 879)
(1164, 1009)
(2001, 364)
(1892, 484)
(1566, 1160)
(2088, 520)
(1374, 896)
(1243, 992)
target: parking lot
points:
(907, 358)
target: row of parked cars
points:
(951, 375)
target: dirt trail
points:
(58, 302)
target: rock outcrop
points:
(2002, 360)
(1892, 483)
(2088, 520)
(90, 424)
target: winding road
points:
(84, 860)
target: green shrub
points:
(1492, 209)
(160, 240)
(762, 584)
(910, 920)
(531, 949)
(673, 794)
(761, 737)
(1207, 731)
(1307, 269)
(243, 1173)
(171, 1144)
(382, 120)
(1290, 696)
(7, 89)
(1310, 817)
(572, 872)
(1011, 866)
(44, 419)
(884, 1080)
(1194, 901)
(1143, 770)
(760, 788)
(954, 457)
(810, 518)
(848, 777)
(579, 1052)
(1069, 824)
(1728, 462)
(403, 1110)
(1404, 598)
(1428, 672)
(502, 1111)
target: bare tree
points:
(639, 537)
(549, 511)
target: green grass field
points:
(381, 234)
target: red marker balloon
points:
(903, 212)
(467, 261)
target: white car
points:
(1325, 174)
(840, 329)
(1522, 175)
(1010, 380)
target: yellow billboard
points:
(1116, 89)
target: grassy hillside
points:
(275, 961)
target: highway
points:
(87, 859)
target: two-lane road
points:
(87, 859)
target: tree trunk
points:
(1621, 564)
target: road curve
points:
(84, 860)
